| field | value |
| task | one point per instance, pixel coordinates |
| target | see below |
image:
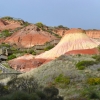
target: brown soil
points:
(26, 63)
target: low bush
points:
(39, 25)
(48, 93)
(81, 67)
(11, 57)
(3, 90)
(7, 18)
(93, 81)
(98, 69)
(96, 57)
(48, 48)
(62, 79)
(5, 33)
(82, 64)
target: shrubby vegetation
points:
(39, 25)
(5, 33)
(27, 89)
(96, 57)
(93, 81)
(4, 45)
(83, 64)
(11, 57)
(62, 81)
(61, 26)
(7, 18)
(48, 47)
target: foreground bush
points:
(28, 85)
(49, 93)
(3, 90)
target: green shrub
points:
(96, 57)
(98, 69)
(11, 57)
(4, 45)
(81, 67)
(34, 96)
(3, 90)
(7, 18)
(48, 48)
(20, 96)
(25, 24)
(94, 95)
(93, 81)
(83, 64)
(39, 25)
(5, 33)
(62, 79)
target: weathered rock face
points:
(75, 39)
(93, 33)
(29, 36)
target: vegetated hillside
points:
(75, 80)
(30, 36)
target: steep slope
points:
(9, 24)
(75, 39)
(30, 36)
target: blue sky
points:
(70, 13)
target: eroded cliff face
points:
(93, 33)
(90, 33)
(60, 31)
(29, 36)
(7, 24)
